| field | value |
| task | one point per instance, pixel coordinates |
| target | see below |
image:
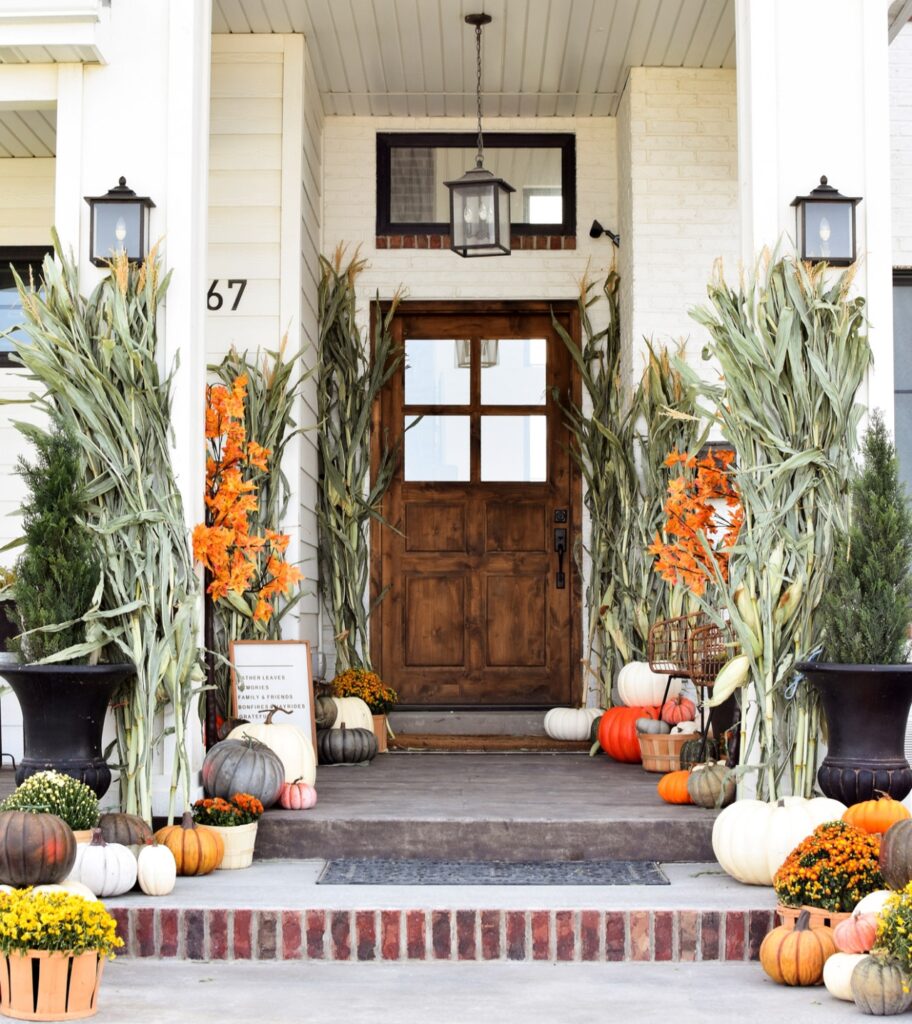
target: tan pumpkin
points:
(856, 934)
(795, 956)
(878, 987)
(708, 786)
(292, 745)
(354, 712)
(197, 849)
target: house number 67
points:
(215, 300)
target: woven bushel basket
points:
(662, 753)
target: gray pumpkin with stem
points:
(346, 746)
(243, 766)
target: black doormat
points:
(388, 871)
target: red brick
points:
(734, 935)
(541, 935)
(381, 241)
(167, 926)
(390, 926)
(267, 934)
(709, 935)
(759, 924)
(395, 241)
(435, 241)
(465, 934)
(589, 934)
(564, 940)
(615, 935)
(687, 935)
(422, 242)
(554, 241)
(366, 934)
(541, 241)
(569, 241)
(490, 934)
(416, 938)
(440, 934)
(445, 241)
(340, 930)
(121, 917)
(663, 935)
(408, 242)
(639, 935)
(144, 923)
(218, 934)
(316, 927)
(516, 935)
(291, 935)
(193, 929)
(515, 242)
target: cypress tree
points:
(867, 608)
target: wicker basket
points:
(662, 753)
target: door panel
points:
(473, 613)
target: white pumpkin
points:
(354, 713)
(156, 869)
(639, 686)
(108, 869)
(74, 888)
(752, 838)
(571, 723)
(837, 974)
(293, 746)
(685, 727)
(873, 903)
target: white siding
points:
(901, 143)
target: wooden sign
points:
(270, 673)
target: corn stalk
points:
(96, 361)
(349, 381)
(792, 352)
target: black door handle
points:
(560, 546)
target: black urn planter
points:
(63, 713)
(866, 708)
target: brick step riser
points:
(441, 935)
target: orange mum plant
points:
(703, 518)
(248, 569)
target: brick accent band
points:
(518, 242)
(434, 934)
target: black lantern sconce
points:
(826, 225)
(120, 223)
(479, 201)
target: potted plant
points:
(863, 677)
(53, 947)
(63, 700)
(56, 793)
(380, 698)
(235, 820)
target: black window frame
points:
(21, 257)
(564, 141)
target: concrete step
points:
(469, 723)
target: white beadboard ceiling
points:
(28, 133)
(542, 58)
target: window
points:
(25, 260)
(412, 167)
(902, 371)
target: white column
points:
(68, 198)
(813, 99)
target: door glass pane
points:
(437, 448)
(517, 375)
(436, 372)
(903, 427)
(514, 448)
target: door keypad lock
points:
(560, 546)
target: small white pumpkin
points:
(293, 746)
(108, 869)
(156, 869)
(571, 723)
(873, 903)
(638, 686)
(74, 888)
(685, 727)
(837, 974)
(354, 713)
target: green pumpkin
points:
(693, 752)
(325, 711)
(877, 987)
(652, 726)
(346, 746)
(708, 787)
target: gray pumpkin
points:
(877, 987)
(346, 746)
(652, 726)
(325, 711)
(708, 787)
(243, 766)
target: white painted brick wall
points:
(901, 146)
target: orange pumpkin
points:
(678, 709)
(876, 815)
(795, 956)
(197, 850)
(856, 934)
(617, 733)
(673, 787)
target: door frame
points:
(448, 307)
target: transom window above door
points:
(475, 409)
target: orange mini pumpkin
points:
(197, 849)
(795, 956)
(673, 787)
(876, 816)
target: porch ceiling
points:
(542, 58)
(28, 133)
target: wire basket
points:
(709, 648)
(690, 646)
(666, 649)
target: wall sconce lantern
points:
(120, 223)
(826, 225)
(479, 202)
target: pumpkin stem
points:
(97, 838)
(803, 922)
(881, 795)
(187, 820)
(272, 711)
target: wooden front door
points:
(481, 608)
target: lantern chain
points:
(479, 156)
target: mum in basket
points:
(235, 820)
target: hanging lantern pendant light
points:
(479, 201)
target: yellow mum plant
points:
(359, 682)
(55, 921)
